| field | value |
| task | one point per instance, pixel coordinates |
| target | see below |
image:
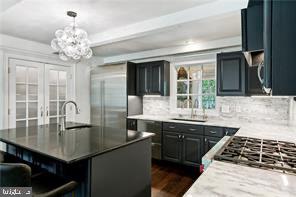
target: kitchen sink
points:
(78, 127)
(189, 119)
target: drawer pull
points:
(192, 129)
(213, 132)
(172, 127)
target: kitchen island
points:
(105, 161)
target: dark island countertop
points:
(73, 145)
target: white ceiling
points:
(38, 19)
(200, 31)
(118, 22)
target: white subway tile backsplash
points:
(257, 109)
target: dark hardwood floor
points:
(171, 180)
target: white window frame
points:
(173, 87)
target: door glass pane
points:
(52, 120)
(62, 78)
(20, 110)
(20, 92)
(21, 123)
(33, 92)
(20, 74)
(53, 77)
(62, 93)
(53, 92)
(33, 122)
(33, 75)
(33, 109)
(53, 108)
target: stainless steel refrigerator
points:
(108, 96)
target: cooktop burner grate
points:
(260, 153)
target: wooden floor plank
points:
(171, 180)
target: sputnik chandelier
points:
(72, 42)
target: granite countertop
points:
(73, 145)
(226, 179)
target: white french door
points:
(58, 88)
(25, 93)
(37, 92)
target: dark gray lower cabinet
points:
(182, 148)
(210, 142)
(192, 149)
(172, 146)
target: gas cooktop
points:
(259, 153)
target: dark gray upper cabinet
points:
(142, 79)
(153, 78)
(131, 78)
(280, 46)
(231, 71)
(252, 26)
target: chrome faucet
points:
(193, 105)
(63, 112)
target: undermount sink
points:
(78, 127)
(189, 119)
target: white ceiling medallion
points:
(72, 42)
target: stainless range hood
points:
(254, 58)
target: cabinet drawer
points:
(167, 126)
(192, 129)
(214, 131)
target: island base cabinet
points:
(122, 172)
(182, 148)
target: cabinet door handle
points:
(47, 113)
(206, 139)
(179, 136)
(172, 127)
(226, 133)
(41, 111)
(213, 132)
(183, 137)
(192, 129)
